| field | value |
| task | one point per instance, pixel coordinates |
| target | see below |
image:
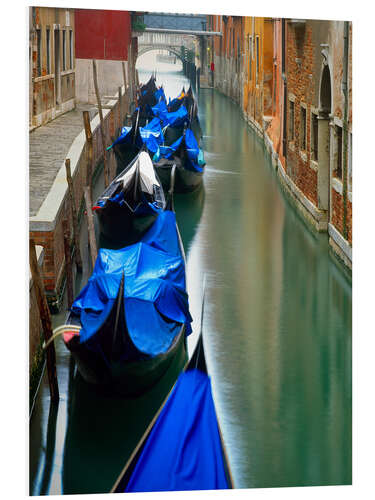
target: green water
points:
(277, 332)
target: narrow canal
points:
(277, 332)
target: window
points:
(257, 59)
(303, 129)
(48, 50)
(251, 58)
(337, 171)
(314, 137)
(64, 51)
(291, 121)
(71, 48)
(39, 53)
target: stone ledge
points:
(340, 241)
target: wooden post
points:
(106, 176)
(124, 75)
(68, 263)
(120, 106)
(126, 93)
(74, 215)
(86, 123)
(46, 322)
(90, 226)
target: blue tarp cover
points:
(151, 135)
(160, 110)
(176, 118)
(183, 450)
(195, 160)
(160, 94)
(154, 289)
(195, 155)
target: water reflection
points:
(278, 321)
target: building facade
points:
(51, 63)
(106, 36)
(292, 78)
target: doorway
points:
(324, 174)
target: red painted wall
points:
(102, 34)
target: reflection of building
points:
(106, 36)
(52, 63)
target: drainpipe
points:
(345, 127)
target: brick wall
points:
(300, 68)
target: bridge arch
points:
(173, 50)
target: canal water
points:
(276, 324)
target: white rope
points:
(59, 331)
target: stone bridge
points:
(172, 31)
(165, 41)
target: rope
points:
(59, 331)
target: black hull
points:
(120, 227)
(186, 180)
(126, 378)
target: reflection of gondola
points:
(132, 317)
(189, 209)
(130, 204)
(187, 427)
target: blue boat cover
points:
(195, 160)
(195, 155)
(151, 135)
(160, 94)
(125, 138)
(155, 298)
(176, 118)
(183, 450)
(160, 110)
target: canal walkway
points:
(48, 147)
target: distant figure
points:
(212, 67)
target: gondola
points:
(131, 203)
(187, 101)
(148, 96)
(188, 158)
(132, 317)
(182, 449)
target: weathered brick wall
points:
(53, 240)
(300, 64)
(337, 215)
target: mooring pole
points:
(90, 226)
(120, 107)
(68, 263)
(106, 176)
(74, 215)
(88, 133)
(46, 322)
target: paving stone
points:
(48, 147)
